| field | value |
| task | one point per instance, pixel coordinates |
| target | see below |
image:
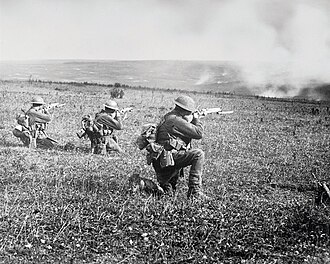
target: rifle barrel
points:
(225, 112)
(217, 110)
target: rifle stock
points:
(52, 140)
(48, 137)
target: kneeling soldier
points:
(106, 121)
(175, 133)
(32, 125)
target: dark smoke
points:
(319, 92)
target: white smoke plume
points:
(299, 53)
(276, 43)
(205, 77)
(280, 46)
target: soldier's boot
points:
(194, 185)
(168, 189)
(195, 190)
(197, 194)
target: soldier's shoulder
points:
(100, 114)
(171, 115)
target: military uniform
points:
(175, 133)
(31, 126)
(106, 122)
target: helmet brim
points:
(110, 108)
(184, 107)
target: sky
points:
(291, 34)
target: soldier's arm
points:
(193, 130)
(38, 116)
(114, 123)
(117, 123)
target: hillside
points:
(191, 76)
(69, 206)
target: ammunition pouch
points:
(147, 136)
(166, 159)
(157, 152)
(141, 142)
(154, 152)
(107, 132)
(40, 126)
(95, 132)
(176, 144)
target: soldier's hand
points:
(195, 115)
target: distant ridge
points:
(195, 76)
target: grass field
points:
(68, 206)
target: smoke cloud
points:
(298, 54)
(280, 46)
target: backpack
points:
(31, 121)
(148, 135)
(23, 120)
(88, 127)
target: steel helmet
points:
(185, 102)
(111, 105)
(37, 100)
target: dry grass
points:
(74, 207)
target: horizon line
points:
(101, 60)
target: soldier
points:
(31, 126)
(175, 132)
(106, 121)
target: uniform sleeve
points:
(182, 128)
(114, 123)
(38, 116)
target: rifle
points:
(216, 110)
(46, 136)
(50, 139)
(53, 105)
(34, 136)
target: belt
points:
(172, 143)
